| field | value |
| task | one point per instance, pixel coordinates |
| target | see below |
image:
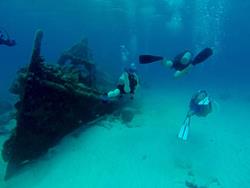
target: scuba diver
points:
(182, 63)
(5, 38)
(128, 84)
(200, 105)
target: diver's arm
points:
(114, 93)
(121, 79)
(178, 73)
(125, 80)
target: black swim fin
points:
(145, 59)
(202, 56)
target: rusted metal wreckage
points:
(54, 100)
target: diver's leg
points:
(178, 73)
(183, 133)
(167, 63)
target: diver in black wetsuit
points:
(5, 39)
(128, 84)
(182, 63)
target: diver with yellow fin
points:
(200, 105)
(182, 63)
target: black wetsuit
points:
(5, 39)
(7, 42)
(199, 58)
(177, 65)
(132, 84)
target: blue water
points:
(160, 27)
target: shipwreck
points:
(54, 100)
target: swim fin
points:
(146, 59)
(202, 56)
(183, 134)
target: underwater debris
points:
(192, 185)
(52, 104)
(211, 182)
(79, 61)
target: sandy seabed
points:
(147, 153)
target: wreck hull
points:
(50, 108)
